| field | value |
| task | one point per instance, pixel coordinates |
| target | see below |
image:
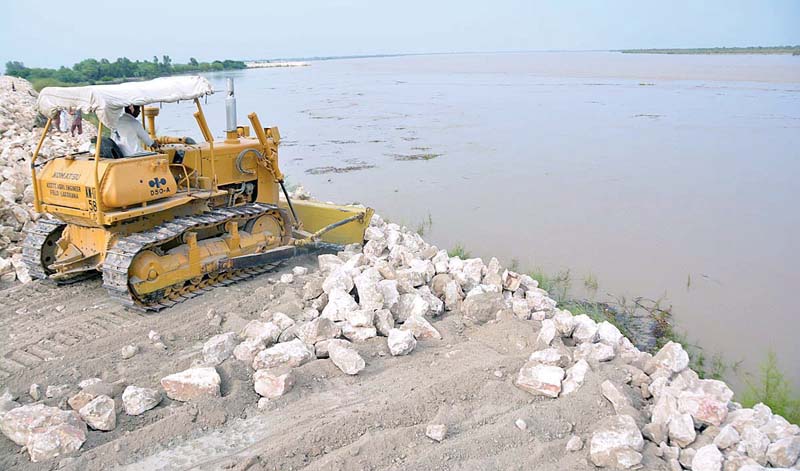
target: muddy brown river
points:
(663, 176)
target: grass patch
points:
(557, 286)
(773, 389)
(460, 252)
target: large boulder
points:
(421, 328)
(317, 330)
(346, 358)
(672, 358)
(138, 400)
(100, 413)
(540, 379)
(47, 432)
(286, 354)
(267, 332)
(616, 443)
(219, 348)
(192, 383)
(273, 383)
(482, 308)
(339, 304)
(401, 342)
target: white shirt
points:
(129, 135)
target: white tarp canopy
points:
(109, 101)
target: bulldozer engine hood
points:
(109, 101)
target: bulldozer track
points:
(35, 242)
(121, 255)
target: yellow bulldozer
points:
(171, 222)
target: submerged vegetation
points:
(773, 389)
(93, 71)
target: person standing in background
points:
(62, 121)
(77, 121)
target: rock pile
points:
(391, 291)
(19, 134)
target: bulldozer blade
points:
(315, 215)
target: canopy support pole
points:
(37, 203)
(97, 198)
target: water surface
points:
(658, 175)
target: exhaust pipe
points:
(230, 108)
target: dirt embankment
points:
(496, 372)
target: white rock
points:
(89, 382)
(100, 414)
(247, 350)
(511, 280)
(608, 334)
(547, 333)
(384, 321)
(552, 356)
(370, 296)
(707, 401)
(218, 348)
(520, 308)
(436, 432)
(616, 443)
(574, 443)
(401, 342)
(273, 383)
(672, 358)
(756, 443)
(441, 262)
(46, 432)
(264, 331)
(361, 318)
(617, 399)
(57, 390)
(453, 295)
(565, 323)
(287, 278)
(585, 330)
(299, 271)
(192, 383)
(286, 354)
(138, 400)
(784, 452)
(411, 304)
(346, 358)
(521, 424)
(707, 458)
(421, 328)
(338, 280)
(128, 351)
(391, 297)
(575, 376)
(358, 334)
(282, 320)
(681, 430)
(339, 304)
(727, 437)
(537, 378)
(328, 262)
(317, 330)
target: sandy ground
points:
(375, 420)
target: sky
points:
(50, 33)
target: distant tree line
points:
(93, 71)
(793, 50)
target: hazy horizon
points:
(182, 29)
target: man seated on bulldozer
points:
(130, 134)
